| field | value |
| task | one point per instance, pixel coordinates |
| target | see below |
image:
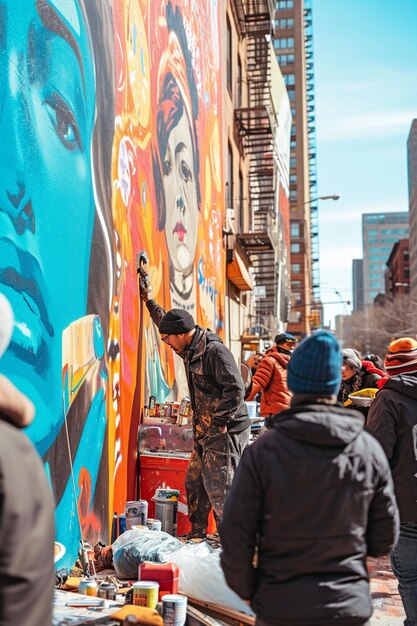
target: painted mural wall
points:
(111, 139)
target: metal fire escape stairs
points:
(311, 130)
(256, 130)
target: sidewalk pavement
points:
(388, 608)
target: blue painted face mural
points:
(47, 225)
(46, 202)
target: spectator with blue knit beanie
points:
(313, 497)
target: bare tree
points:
(374, 328)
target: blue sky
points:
(365, 54)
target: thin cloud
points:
(338, 258)
(369, 125)
(352, 214)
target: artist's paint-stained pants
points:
(210, 473)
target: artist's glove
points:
(144, 284)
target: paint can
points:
(154, 524)
(107, 591)
(145, 593)
(136, 513)
(174, 609)
(88, 587)
(166, 508)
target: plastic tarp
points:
(200, 573)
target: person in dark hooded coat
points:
(311, 499)
(392, 420)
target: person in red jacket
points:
(271, 378)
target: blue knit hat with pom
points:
(315, 366)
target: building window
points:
(239, 85)
(283, 5)
(283, 43)
(295, 248)
(289, 79)
(294, 229)
(284, 23)
(291, 94)
(229, 53)
(229, 182)
(241, 203)
(293, 179)
(284, 59)
(293, 195)
(295, 268)
(293, 162)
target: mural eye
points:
(64, 123)
(166, 166)
(185, 171)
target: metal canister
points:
(136, 513)
(88, 587)
(154, 524)
(174, 609)
(107, 591)
(145, 593)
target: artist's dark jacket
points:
(214, 382)
(315, 496)
(392, 419)
(26, 532)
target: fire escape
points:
(311, 130)
(256, 130)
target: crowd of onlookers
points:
(331, 481)
(324, 493)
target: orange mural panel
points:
(167, 200)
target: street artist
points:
(221, 424)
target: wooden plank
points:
(198, 618)
(222, 612)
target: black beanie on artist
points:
(176, 322)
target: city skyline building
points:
(380, 231)
(293, 44)
(412, 204)
(357, 285)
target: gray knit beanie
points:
(352, 358)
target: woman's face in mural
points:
(180, 189)
(46, 197)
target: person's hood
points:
(321, 425)
(370, 368)
(282, 357)
(404, 383)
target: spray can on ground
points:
(88, 587)
(107, 591)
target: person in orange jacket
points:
(271, 378)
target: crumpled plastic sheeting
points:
(138, 545)
(200, 573)
(201, 576)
